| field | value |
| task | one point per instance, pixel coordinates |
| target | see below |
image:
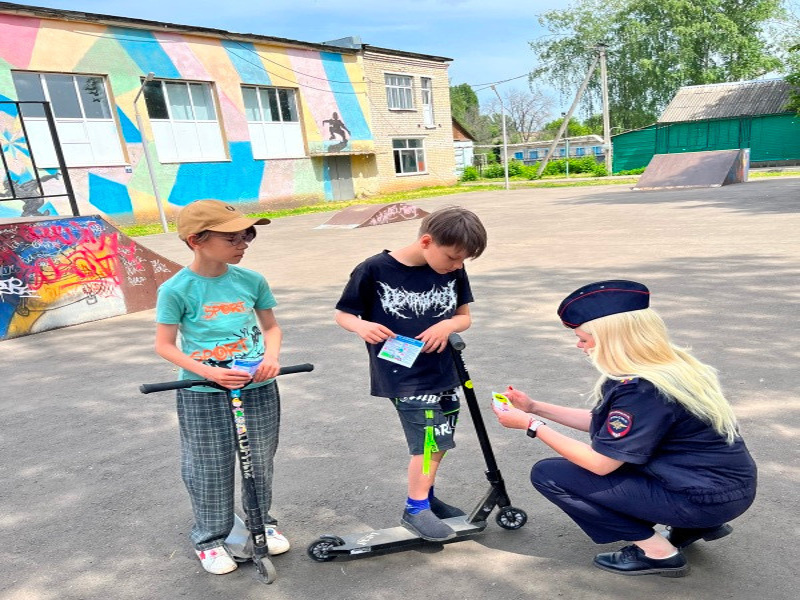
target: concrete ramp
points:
(366, 215)
(695, 169)
(60, 271)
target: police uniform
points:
(677, 469)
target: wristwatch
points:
(533, 426)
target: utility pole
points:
(601, 48)
(565, 122)
(159, 204)
(505, 139)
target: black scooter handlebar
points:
(149, 388)
(456, 342)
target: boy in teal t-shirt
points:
(228, 334)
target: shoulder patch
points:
(619, 423)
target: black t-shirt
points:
(407, 300)
(652, 433)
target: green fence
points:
(769, 137)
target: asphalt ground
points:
(92, 501)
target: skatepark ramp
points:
(60, 271)
(695, 169)
(366, 215)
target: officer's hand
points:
(520, 400)
(513, 418)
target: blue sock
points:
(415, 506)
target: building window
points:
(597, 149)
(580, 151)
(427, 101)
(562, 151)
(273, 121)
(84, 119)
(399, 92)
(518, 155)
(184, 121)
(409, 156)
(533, 154)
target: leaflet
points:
(401, 350)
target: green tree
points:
(462, 99)
(574, 128)
(655, 47)
(794, 79)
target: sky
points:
(488, 41)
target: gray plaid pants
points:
(208, 456)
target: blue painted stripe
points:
(246, 62)
(129, 131)
(349, 108)
(146, 52)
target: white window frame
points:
(272, 139)
(398, 153)
(397, 94)
(427, 101)
(188, 140)
(85, 141)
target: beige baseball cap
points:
(213, 215)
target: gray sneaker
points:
(427, 526)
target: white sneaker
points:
(216, 560)
(276, 542)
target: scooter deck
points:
(398, 537)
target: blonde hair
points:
(636, 344)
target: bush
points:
(470, 174)
(638, 171)
(515, 168)
(494, 171)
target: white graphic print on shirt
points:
(396, 300)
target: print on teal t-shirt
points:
(215, 315)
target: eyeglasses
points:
(235, 239)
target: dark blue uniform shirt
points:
(636, 424)
(407, 300)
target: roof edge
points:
(86, 17)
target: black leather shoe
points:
(681, 537)
(444, 510)
(631, 560)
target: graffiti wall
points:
(63, 271)
(107, 64)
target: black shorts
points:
(444, 409)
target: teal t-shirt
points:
(215, 316)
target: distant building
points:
(721, 116)
(573, 147)
(464, 146)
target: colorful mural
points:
(331, 101)
(64, 271)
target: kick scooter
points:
(255, 522)
(328, 546)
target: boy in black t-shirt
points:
(420, 291)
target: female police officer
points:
(664, 441)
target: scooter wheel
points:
(266, 570)
(320, 550)
(511, 518)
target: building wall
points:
(325, 83)
(388, 124)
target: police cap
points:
(601, 299)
